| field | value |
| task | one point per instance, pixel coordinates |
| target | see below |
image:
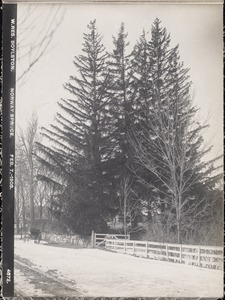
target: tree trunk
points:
(17, 219)
(41, 211)
(134, 222)
(32, 216)
(125, 216)
(17, 225)
(179, 231)
(24, 216)
(16, 210)
(41, 208)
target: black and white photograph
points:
(118, 188)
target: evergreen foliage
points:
(168, 142)
(121, 106)
(129, 119)
(83, 148)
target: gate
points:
(98, 239)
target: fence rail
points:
(98, 239)
(202, 256)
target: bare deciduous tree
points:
(20, 189)
(131, 205)
(28, 140)
(171, 151)
(34, 40)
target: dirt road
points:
(53, 271)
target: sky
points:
(198, 29)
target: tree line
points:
(127, 142)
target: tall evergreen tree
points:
(82, 139)
(149, 71)
(123, 113)
(142, 82)
(168, 145)
(121, 106)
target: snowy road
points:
(98, 273)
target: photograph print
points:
(118, 151)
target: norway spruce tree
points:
(127, 141)
(168, 144)
(82, 141)
(121, 105)
(149, 68)
(141, 80)
(123, 113)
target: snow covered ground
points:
(95, 272)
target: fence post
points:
(167, 256)
(199, 256)
(147, 249)
(133, 247)
(180, 253)
(125, 246)
(93, 239)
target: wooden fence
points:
(202, 256)
(98, 239)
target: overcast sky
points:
(196, 28)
